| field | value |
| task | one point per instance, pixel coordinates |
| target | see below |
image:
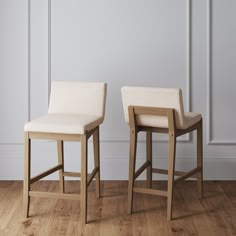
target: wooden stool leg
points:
(26, 197)
(200, 160)
(171, 169)
(96, 148)
(132, 160)
(83, 184)
(149, 157)
(60, 150)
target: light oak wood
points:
(91, 176)
(149, 157)
(141, 169)
(150, 191)
(173, 133)
(83, 183)
(171, 162)
(96, 149)
(191, 173)
(71, 174)
(214, 215)
(69, 196)
(86, 179)
(27, 170)
(45, 173)
(54, 136)
(165, 172)
(132, 157)
(60, 153)
(200, 159)
(171, 168)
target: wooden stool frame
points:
(173, 134)
(85, 178)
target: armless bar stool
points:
(76, 110)
(159, 110)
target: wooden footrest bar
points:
(150, 191)
(91, 176)
(70, 196)
(77, 174)
(44, 174)
(141, 169)
(71, 174)
(188, 174)
(165, 172)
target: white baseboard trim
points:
(11, 168)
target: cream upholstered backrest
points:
(154, 97)
(78, 98)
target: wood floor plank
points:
(43, 209)
(139, 220)
(229, 209)
(115, 220)
(214, 215)
(196, 210)
(213, 204)
(181, 223)
(7, 209)
(155, 212)
(94, 213)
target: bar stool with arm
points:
(159, 110)
(76, 110)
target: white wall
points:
(165, 43)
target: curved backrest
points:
(77, 98)
(154, 97)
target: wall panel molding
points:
(24, 10)
(210, 139)
(29, 60)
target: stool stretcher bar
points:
(150, 191)
(70, 196)
(91, 176)
(44, 174)
(68, 174)
(141, 169)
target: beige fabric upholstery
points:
(74, 108)
(158, 97)
(64, 123)
(77, 97)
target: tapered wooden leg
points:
(26, 197)
(132, 160)
(171, 169)
(149, 157)
(60, 150)
(96, 148)
(83, 184)
(200, 160)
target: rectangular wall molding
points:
(14, 72)
(209, 79)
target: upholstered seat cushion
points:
(190, 118)
(64, 123)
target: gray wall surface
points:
(163, 43)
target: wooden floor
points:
(214, 215)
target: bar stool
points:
(76, 110)
(159, 110)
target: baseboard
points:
(11, 168)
